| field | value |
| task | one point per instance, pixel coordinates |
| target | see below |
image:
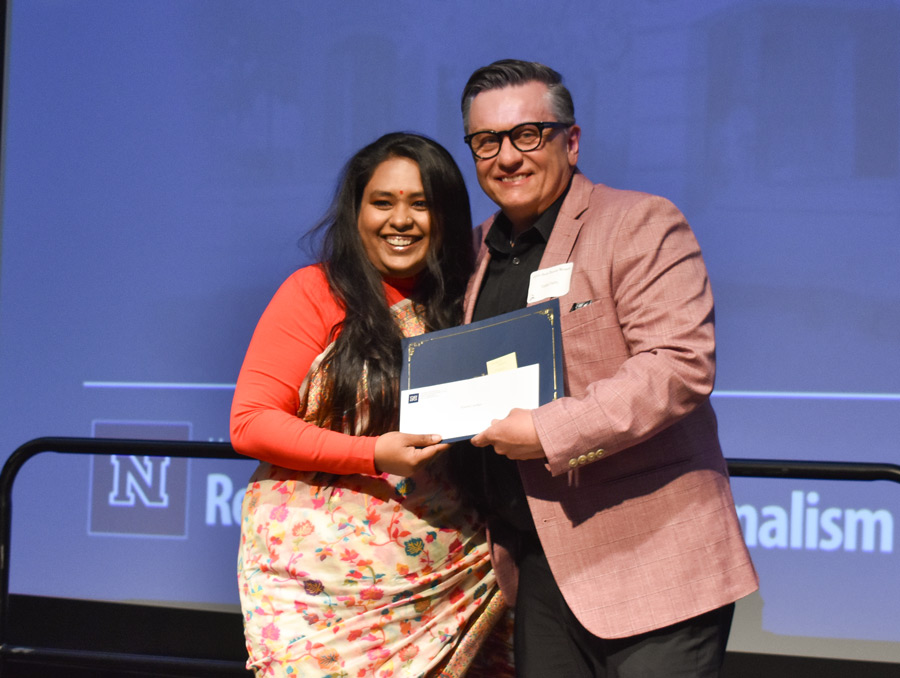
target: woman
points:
(357, 556)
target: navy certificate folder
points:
(531, 334)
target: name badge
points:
(550, 282)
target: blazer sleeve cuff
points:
(561, 441)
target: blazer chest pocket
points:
(579, 313)
(593, 345)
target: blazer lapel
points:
(559, 246)
(480, 267)
(568, 223)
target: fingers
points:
(405, 453)
(483, 439)
(419, 456)
(414, 458)
(432, 450)
(421, 439)
(513, 437)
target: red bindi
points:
(401, 192)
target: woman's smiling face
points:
(394, 220)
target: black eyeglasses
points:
(525, 137)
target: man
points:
(610, 513)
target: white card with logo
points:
(460, 409)
(550, 282)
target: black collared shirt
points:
(508, 274)
(505, 289)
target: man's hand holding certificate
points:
(455, 382)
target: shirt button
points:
(516, 261)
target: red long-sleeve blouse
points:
(293, 330)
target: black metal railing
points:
(35, 655)
(759, 468)
(813, 470)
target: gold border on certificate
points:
(548, 313)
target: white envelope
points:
(460, 409)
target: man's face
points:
(523, 184)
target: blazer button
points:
(582, 459)
(573, 463)
(592, 456)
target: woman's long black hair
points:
(368, 339)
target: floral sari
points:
(363, 576)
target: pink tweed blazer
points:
(633, 506)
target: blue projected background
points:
(162, 160)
